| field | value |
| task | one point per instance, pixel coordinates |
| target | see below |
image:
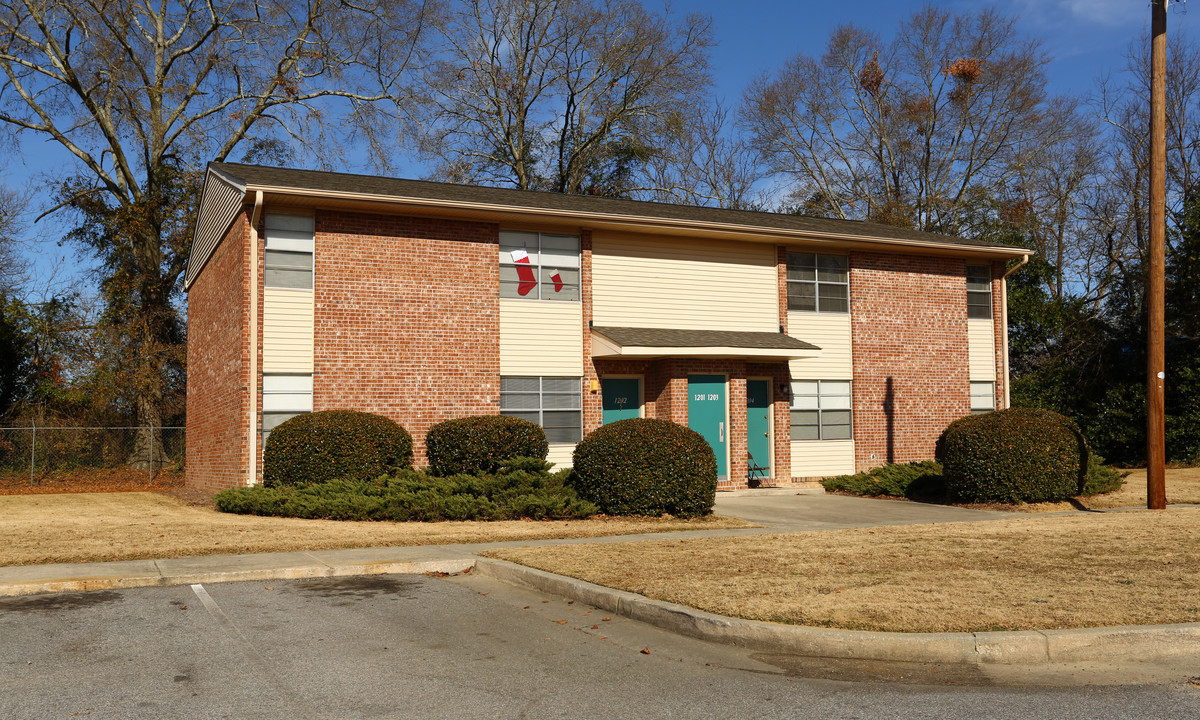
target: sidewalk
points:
(779, 514)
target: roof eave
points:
(634, 221)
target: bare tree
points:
(142, 94)
(13, 266)
(566, 95)
(1051, 195)
(708, 164)
(905, 132)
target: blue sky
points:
(1084, 38)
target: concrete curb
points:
(1021, 648)
(186, 571)
(1032, 647)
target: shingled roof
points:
(228, 186)
(259, 176)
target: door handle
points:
(721, 433)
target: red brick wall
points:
(407, 318)
(218, 369)
(909, 332)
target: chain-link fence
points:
(95, 458)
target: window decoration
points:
(818, 283)
(539, 266)
(555, 403)
(821, 410)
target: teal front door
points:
(621, 399)
(758, 423)
(706, 415)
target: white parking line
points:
(299, 707)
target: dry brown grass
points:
(1086, 570)
(38, 529)
(1183, 487)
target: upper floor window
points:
(979, 291)
(539, 266)
(816, 282)
(288, 259)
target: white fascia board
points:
(605, 348)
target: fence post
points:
(150, 464)
(32, 449)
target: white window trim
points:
(539, 266)
(821, 410)
(978, 409)
(987, 271)
(541, 408)
(289, 233)
(816, 282)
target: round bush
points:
(334, 444)
(478, 444)
(646, 467)
(1019, 455)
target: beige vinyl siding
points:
(831, 333)
(287, 330)
(560, 455)
(543, 338)
(222, 201)
(822, 458)
(683, 283)
(981, 350)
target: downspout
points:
(1004, 325)
(252, 433)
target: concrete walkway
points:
(776, 512)
(797, 513)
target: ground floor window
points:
(283, 398)
(983, 397)
(555, 403)
(821, 410)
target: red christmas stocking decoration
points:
(558, 282)
(524, 272)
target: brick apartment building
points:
(799, 347)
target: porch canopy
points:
(627, 342)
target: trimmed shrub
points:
(915, 479)
(1019, 455)
(1102, 478)
(646, 467)
(480, 443)
(522, 489)
(334, 444)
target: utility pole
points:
(1156, 490)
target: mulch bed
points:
(90, 480)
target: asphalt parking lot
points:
(411, 646)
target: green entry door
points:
(758, 422)
(706, 415)
(621, 398)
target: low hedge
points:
(915, 479)
(643, 466)
(1018, 455)
(1102, 478)
(523, 488)
(334, 444)
(480, 443)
